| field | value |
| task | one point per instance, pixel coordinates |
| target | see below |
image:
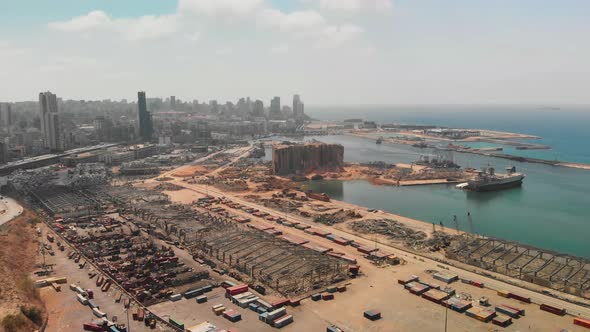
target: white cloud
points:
(139, 28)
(336, 35)
(279, 49)
(226, 8)
(94, 19)
(299, 21)
(309, 24)
(355, 5)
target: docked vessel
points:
(318, 196)
(488, 180)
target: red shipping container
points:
(520, 298)
(553, 310)
(92, 327)
(235, 290)
(582, 322)
(280, 303)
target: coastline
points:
(556, 163)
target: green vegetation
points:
(27, 286)
(13, 323)
(32, 313)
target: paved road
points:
(9, 209)
(426, 262)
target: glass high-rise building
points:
(145, 118)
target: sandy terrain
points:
(18, 244)
(402, 311)
(9, 209)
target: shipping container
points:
(283, 321)
(140, 314)
(582, 322)
(316, 297)
(276, 313)
(502, 320)
(448, 278)
(519, 298)
(232, 315)
(327, 296)
(82, 299)
(553, 310)
(176, 323)
(113, 328)
(507, 311)
(92, 327)
(98, 313)
(503, 293)
(334, 328)
(412, 278)
(202, 299)
(93, 304)
(372, 315)
(235, 290)
(280, 303)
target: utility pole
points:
(446, 317)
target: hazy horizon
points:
(377, 52)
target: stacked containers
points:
(232, 315)
(235, 290)
(508, 311)
(282, 321)
(502, 320)
(448, 278)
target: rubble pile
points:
(336, 217)
(397, 231)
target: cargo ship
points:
(488, 180)
(318, 196)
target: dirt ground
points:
(378, 289)
(18, 250)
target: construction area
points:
(560, 272)
(289, 269)
(185, 249)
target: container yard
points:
(185, 255)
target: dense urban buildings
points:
(145, 118)
(49, 120)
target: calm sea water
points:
(566, 130)
(551, 210)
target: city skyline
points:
(373, 52)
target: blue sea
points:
(551, 210)
(565, 129)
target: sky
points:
(332, 52)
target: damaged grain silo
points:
(307, 157)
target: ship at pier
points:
(488, 180)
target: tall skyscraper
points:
(298, 108)
(5, 115)
(258, 108)
(275, 108)
(172, 102)
(48, 113)
(145, 118)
